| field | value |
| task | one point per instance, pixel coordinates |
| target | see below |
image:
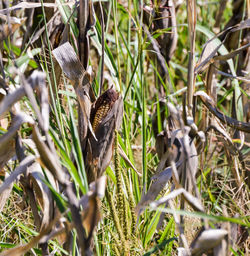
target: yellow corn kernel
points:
(100, 114)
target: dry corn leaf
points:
(7, 141)
(34, 80)
(193, 201)
(74, 70)
(4, 195)
(17, 172)
(207, 240)
(7, 151)
(242, 126)
(92, 215)
(42, 192)
(48, 158)
(155, 188)
(28, 5)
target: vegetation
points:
(124, 127)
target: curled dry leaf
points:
(207, 240)
(209, 53)
(34, 80)
(207, 57)
(128, 162)
(181, 150)
(17, 172)
(42, 192)
(49, 159)
(193, 201)
(155, 188)
(242, 126)
(5, 194)
(205, 60)
(28, 5)
(163, 177)
(69, 61)
(98, 187)
(7, 141)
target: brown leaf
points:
(49, 159)
(92, 215)
(128, 162)
(245, 127)
(42, 192)
(7, 141)
(6, 152)
(69, 62)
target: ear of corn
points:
(101, 112)
(102, 106)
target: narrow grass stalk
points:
(114, 5)
(144, 110)
(125, 219)
(170, 245)
(116, 245)
(134, 178)
(120, 195)
(131, 202)
(55, 103)
(191, 12)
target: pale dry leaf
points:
(193, 201)
(69, 61)
(4, 196)
(27, 5)
(206, 240)
(17, 172)
(156, 187)
(34, 80)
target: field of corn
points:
(124, 127)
